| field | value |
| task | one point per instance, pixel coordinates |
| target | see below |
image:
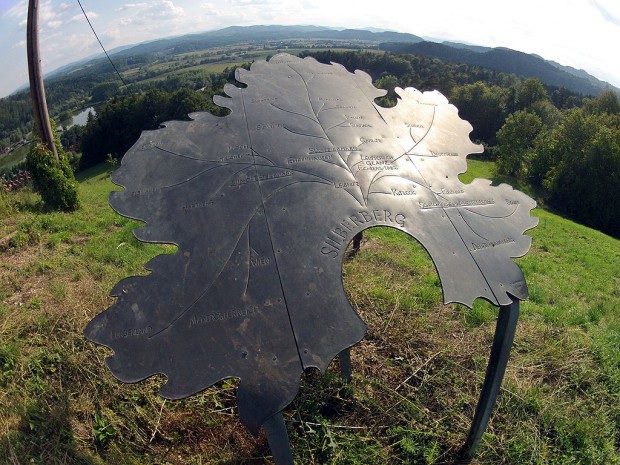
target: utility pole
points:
(37, 89)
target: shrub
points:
(52, 179)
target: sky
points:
(579, 33)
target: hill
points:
(259, 34)
(507, 61)
(498, 59)
(416, 374)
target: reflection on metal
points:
(262, 204)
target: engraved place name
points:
(258, 262)
(263, 127)
(486, 245)
(234, 156)
(309, 158)
(375, 166)
(360, 125)
(264, 100)
(382, 158)
(363, 140)
(460, 203)
(337, 238)
(329, 99)
(414, 125)
(377, 163)
(399, 193)
(443, 154)
(321, 73)
(133, 332)
(345, 107)
(512, 202)
(198, 320)
(332, 149)
(193, 206)
(353, 116)
(144, 192)
(446, 191)
(235, 148)
(343, 184)
(261, 177)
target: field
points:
(12, 158)
(416, 374)
(220, 58)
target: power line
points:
(102, 47)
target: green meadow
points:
(416, 375)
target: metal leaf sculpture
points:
(262, 204)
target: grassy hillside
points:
(417, 373)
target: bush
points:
(52, 179)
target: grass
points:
(416, 374)
(13, 158)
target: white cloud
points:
(129, 6)
(609, 10)
(169, 10)
(148, 21)
(46, 11)
(80, 17)
(19, 10)
(54, 24)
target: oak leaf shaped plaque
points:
(262, 204)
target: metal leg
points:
(357, 243)
(345, 364)
(500, 352)
(277, 436)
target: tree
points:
(547, 112)
(484, 107)
(388, 82)
(530, 92)
(516, 141)
(607, 102)
(53, 177)
(586, 177)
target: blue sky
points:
(579, 33)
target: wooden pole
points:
(37, 89)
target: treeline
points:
(573, 156)
(118, 123)
(484, 97)
(94, 83)
(63, 95)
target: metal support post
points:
(277, 436)
(344, 358)
(37, 89)
(500, 352)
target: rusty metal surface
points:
(262, 204)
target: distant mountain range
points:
(244, 34)
(507, 61)
(498, 59)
